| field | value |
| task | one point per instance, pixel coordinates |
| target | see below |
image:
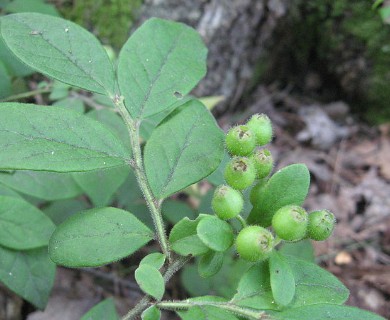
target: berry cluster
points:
(248, 165)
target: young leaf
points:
(43, 185)
(155, 260)
(150, 280)
(215, 233)
(96, 237)
(92, 181)
(29, 274)
(150, 62)
(22, 226)
(210, 263)
(60, 49)
(103, 310)
(282, 279)
(151, 313)
(287, 186)
(55, 139)
(254, 290)
(186, 147)
(324, 311)
(184, 239)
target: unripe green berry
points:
(240, 173)
(227, 203)
(240, 141)
(263, 161)
(290, 223)
(321, 225)
(256, 191)
(261, 125)
(254, 243)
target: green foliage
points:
(59, 153)
(103, 310)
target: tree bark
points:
(235, 32)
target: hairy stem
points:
(153, 204)
(242, 221)
(186, 304)
(173, 267)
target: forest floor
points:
(350, 168)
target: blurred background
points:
(319, 69)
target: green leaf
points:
(174, 211)
(92, 181)
(151, 313)
(254, 289)
(150, 62)
(215, 233)
(29, 274)
(155, 260)
(22, 226)
(150, 281)
(184, 238)
(5, 191)
(302, 250)
(38, 138)
(96, 237)
(70, 103)
(60, 49)
(58, 211)
(186, 147)
(5, 82)
(103, 310)
(289, 185)
(210, 263)
(31, 6)
(43, 185)
(12, 64)
(324, 312)
(282, 279)
(315, 285)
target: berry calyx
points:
(264, 162)
(321, 225)
(240, 141)
(261, 125)
(240, 173)
(254, 243)
(227, 202)
(290, 223)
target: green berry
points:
(227, 203)
(321, 225)
(263, 162)
(254, 243)
(240, 173)
(261, 125)
(290, 223)
(256, 191)
(240, 141)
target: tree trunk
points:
(235, 32)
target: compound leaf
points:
(160, 63)
(60, 49)
(96, 237)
